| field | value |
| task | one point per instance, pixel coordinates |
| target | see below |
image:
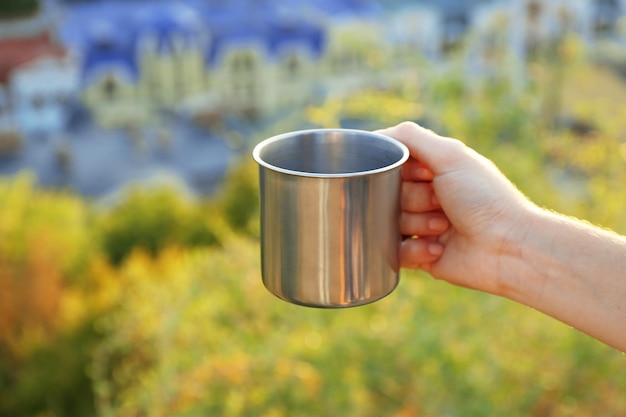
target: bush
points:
(53, 379)
(153, 220)
(45, 250)
(10, 8)
(239, 200)
(44, 246)
(196, 334)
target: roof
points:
(276, 32)
(108, 32)
(360, 8)
(449, 8)
(17, 52)
(163, 20)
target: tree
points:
(11, 8)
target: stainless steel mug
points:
(330, 207)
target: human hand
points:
(463, 214)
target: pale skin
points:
(473, 228)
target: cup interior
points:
(328, 152)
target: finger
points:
(418, 197)
(426, 146)
(423, 224)
(420, 253)
(413, 170)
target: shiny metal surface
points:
(330, 207)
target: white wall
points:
(39, 91)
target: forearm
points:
(573, 272)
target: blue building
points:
(213, 56)
(210, 57)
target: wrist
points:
(517, 252)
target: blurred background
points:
(129, 252)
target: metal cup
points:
(330, 207)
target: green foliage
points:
(45, 246)
(239, 200)
(31, 218)
(220, 344)
(376, 108)
(11, 8)
(152, 220)
(53, 381)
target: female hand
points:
(462, 213)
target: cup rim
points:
(256, 153)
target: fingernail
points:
(435, 201)
(423, 173)
(435, 249)
(438, 224)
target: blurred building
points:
(506, 35)
(208, 58)
(212, 57)
(38, 80)
(134, 64)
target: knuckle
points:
(456, 145)
(404, 130)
